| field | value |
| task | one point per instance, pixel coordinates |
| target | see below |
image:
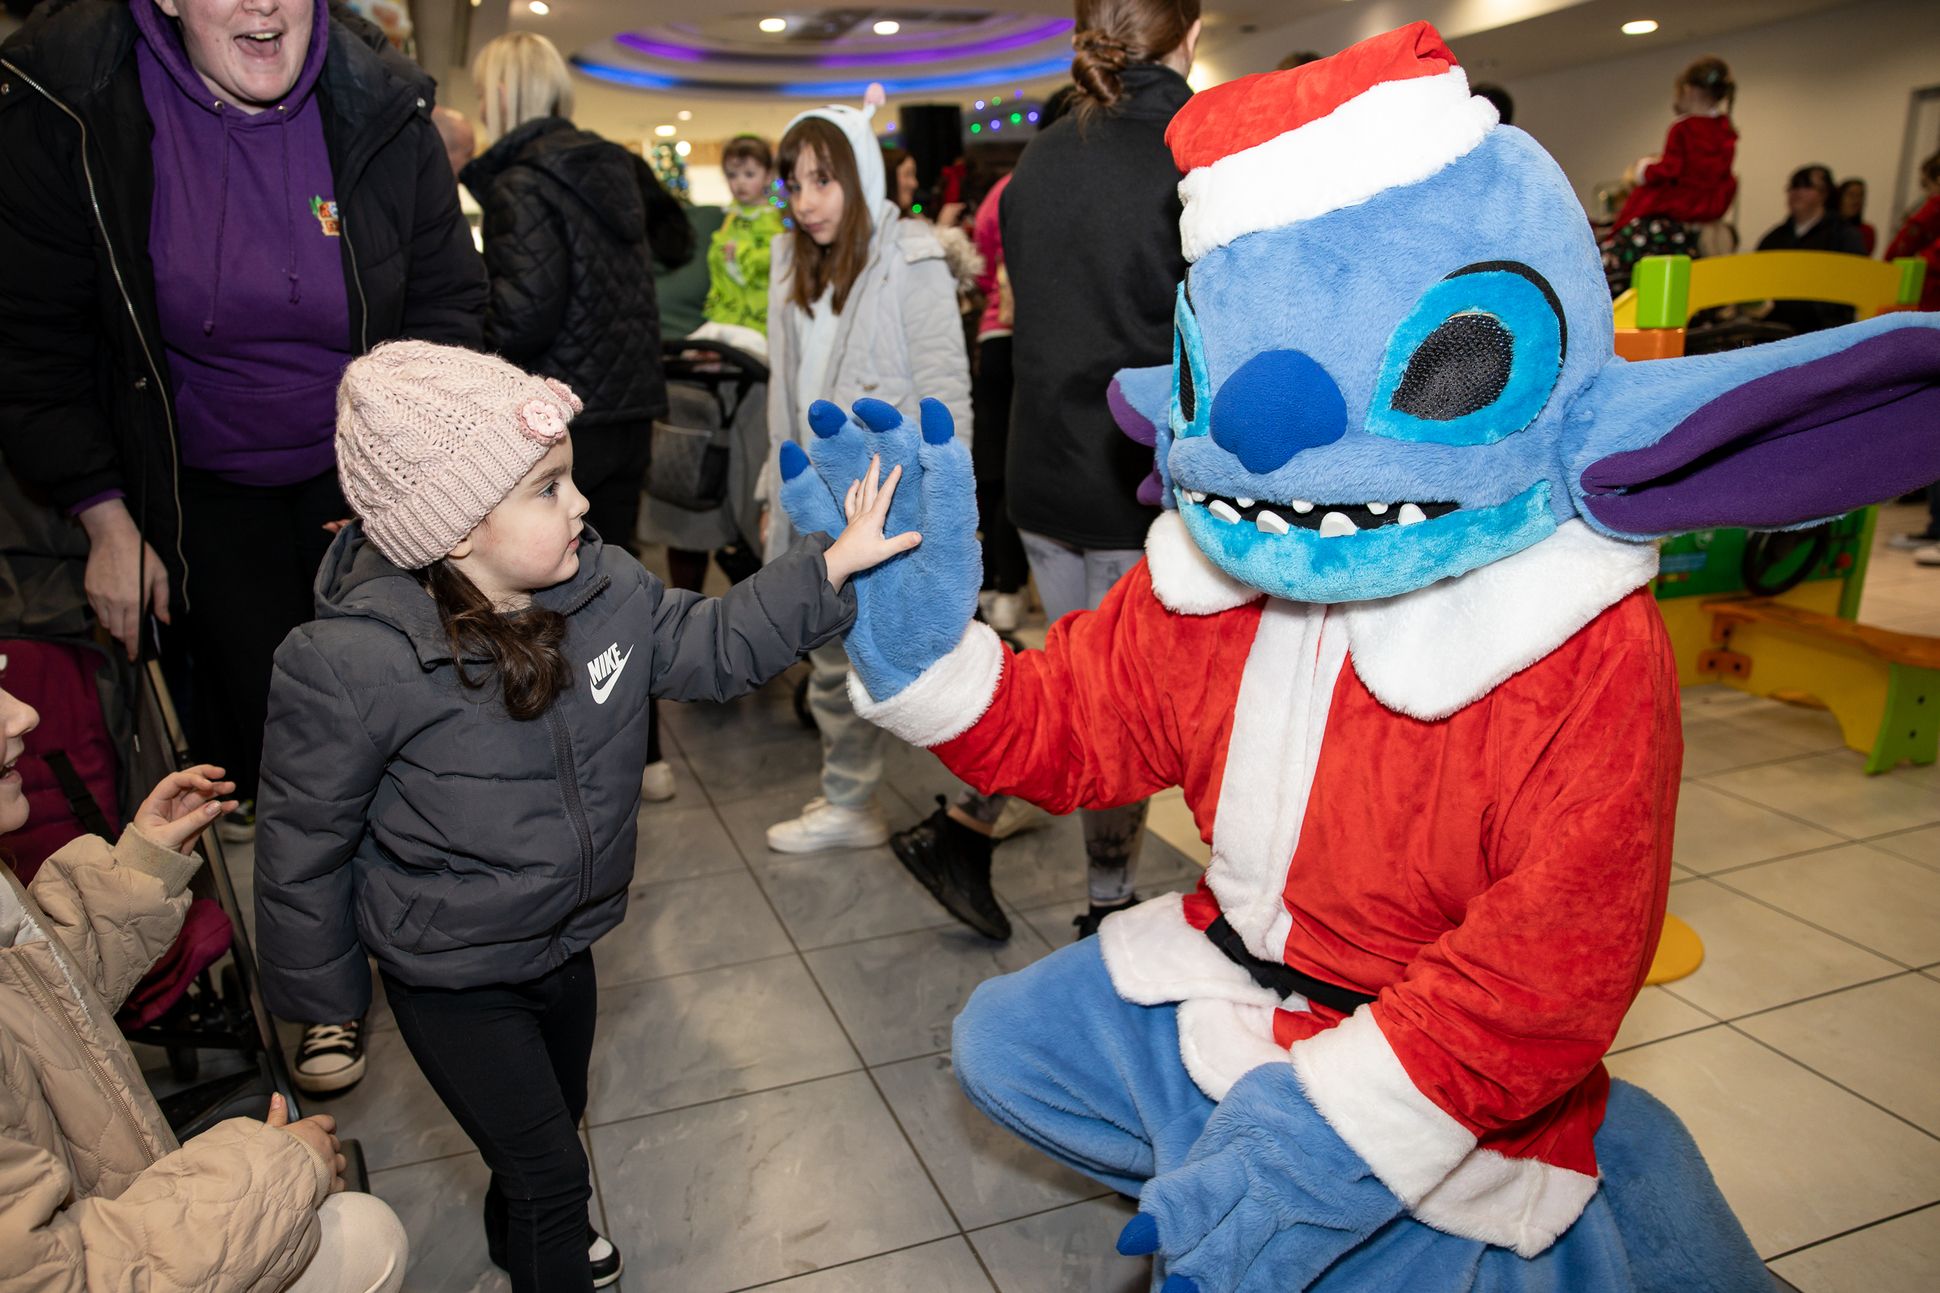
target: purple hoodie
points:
(249, 275)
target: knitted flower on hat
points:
(431, 438)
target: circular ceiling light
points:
(683, 148)
(888, 27)
(683, 115)
(1640, 27)
(772, 25)
(665, 132)
(539, 7)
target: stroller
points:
(707, 454)
(109, 731)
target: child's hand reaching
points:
(862, 544)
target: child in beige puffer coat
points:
(95, 1192)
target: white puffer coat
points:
(899, 340)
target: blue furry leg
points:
(1054, 1055)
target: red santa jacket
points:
(1692, 180)
(1460, 801)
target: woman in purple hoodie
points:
(260, 196)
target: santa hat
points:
(1268, 151)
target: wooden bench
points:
(1882, 686)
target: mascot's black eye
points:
(1460, 367)
(1188, 399)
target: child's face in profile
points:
(747, 180)
(531, 539)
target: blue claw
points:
(793, 461)
(938, 426)
(878, 415)
(825, 419)
(1179, 1284)
(1139, 1237)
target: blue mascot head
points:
(1393, 355)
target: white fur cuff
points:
(1354, 1080)
(947, 699)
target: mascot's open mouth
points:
(1329, 520)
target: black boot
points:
(1088, 923)
(953, 863)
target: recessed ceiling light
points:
(539, 7)
(683, 148)
(683, 115)
(772, 25)
(1640, 27)
(888, 27)
(665, 132)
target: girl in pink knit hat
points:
(453, 757)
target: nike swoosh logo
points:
(601, 690)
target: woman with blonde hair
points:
(572, 223)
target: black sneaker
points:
(953, 863)
(604, 1258)
(1088, 923)
(330, 1058)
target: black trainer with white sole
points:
(330, 1058)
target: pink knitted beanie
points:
(431, 438)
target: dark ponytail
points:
(1713, 76)
(522, 646)
(1114, 34)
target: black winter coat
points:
(571, 269)
(84, 399)
(405, 814)
(1091, 244)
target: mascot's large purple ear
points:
(1139, 399)
(1768, 437)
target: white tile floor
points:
(773, 1105)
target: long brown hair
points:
(1113, 34)
(841, 263)
(523, 646)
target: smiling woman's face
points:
(17, 718)
(248, 52)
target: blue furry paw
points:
(911, 611)
(1268, 1198)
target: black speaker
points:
(933, 134)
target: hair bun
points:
(1102, 47)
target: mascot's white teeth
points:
(1329, 521)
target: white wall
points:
(1831, 87)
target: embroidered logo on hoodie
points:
(325, 210)
(606, 669)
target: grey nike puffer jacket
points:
(406, 814)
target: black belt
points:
(1282, 980)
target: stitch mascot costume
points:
(1393, 637)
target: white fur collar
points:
(1438, 649)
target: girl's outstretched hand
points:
(862, 544)
(181, 805)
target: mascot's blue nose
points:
(1278, 403)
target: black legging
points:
(509, 1061)
(1004, 566)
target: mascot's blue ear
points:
(1140, 400)
(1764, 438)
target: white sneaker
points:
(1911, 542)
(823, 825)
(657, 782)
(1927, 556)
(1004, 612)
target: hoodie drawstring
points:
(289, 216)
(222, 219)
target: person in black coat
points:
(1811, 224)
(1090, 224)
(568, 253)
(87, 401)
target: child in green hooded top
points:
(737, 255)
